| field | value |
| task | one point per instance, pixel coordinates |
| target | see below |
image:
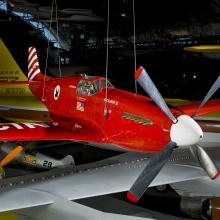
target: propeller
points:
(210, 93)
(150, 172)
(205, 161)
(147, 84)
(184, 132)
(9, 157)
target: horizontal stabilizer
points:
(68, 160)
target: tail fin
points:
(34, 73)
(10, 71)
(68, 160)
(9, 68)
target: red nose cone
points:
(131, 197)
(138, 72)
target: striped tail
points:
(34, 73)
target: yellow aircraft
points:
(16, 101)
(207, 51)
(203, 48)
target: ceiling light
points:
(123, 15)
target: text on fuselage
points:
(20, 126)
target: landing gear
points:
(162, 188)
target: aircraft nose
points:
(186, 131)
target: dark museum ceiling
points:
(151, 11)
(163, 29)
(163, 15)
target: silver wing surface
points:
(112, 175)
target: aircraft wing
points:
(112, 175)
(212, 106)
(48, 131)
(69, 210)
(29, 109)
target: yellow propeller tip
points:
(14, 153)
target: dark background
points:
(163, 29)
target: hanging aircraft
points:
(90, 110)
(206, 51)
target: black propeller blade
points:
(150, 172)
(210, 93)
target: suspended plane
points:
(90, 110)
(206, 51)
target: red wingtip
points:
(138, 72)
(131, 197)
(216, 175)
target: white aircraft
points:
(52, 194)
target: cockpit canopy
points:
(89, 87)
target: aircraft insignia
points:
(56, 92)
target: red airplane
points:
(90, 110)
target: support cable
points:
(134, 41)
(48, 45)
(57, 33)
(106, 67)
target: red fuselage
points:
(133, 122)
